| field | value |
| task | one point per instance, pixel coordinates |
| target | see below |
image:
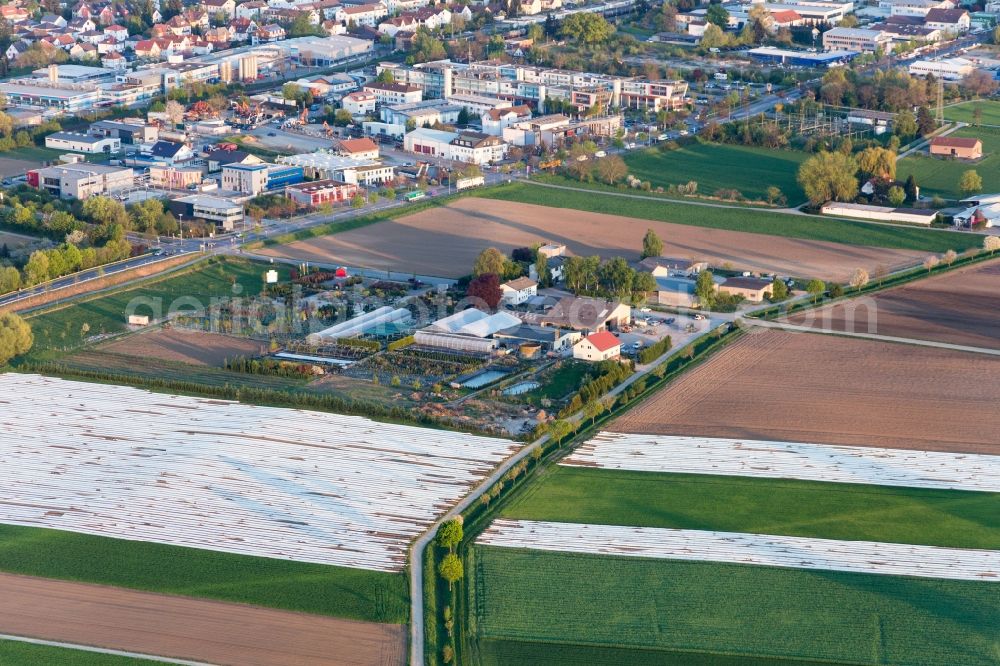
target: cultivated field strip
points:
(757, 549)
(284, 483)
(784, 460)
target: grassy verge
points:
(311, 588)
(16, 652)
(733, 609)
(739, 219)
(965, 112)
(763, 506)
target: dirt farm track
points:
(824, 389)
(209, 631)
(194, 347)
(960, 307)
(444, 242)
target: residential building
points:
(81, 180)
(516, 292)
(359, 103)
(82, 143)
(957, 147)
(600, 346)
(856, 39)
(227, 8)
(394, 93)
(169, 153)
(495, 121)
(319, 192)
(914, 7)
(363, 15)
(359, 149)
(752, 289)
(654, 96)
(948, 21)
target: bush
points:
(401, 343)
(654, 351)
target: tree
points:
(486, 288)
(829, 176)
(931, 262)
(970, 182)
(911, 189)
(877, 162)
(978, 83)
(592, 410)
(949, 257)
(815, 288)
(616, 278)
(642, 284)
(490, 260)
(36, 270)
(450, 534)
(357, 201)
(896, 195)
(859, 279)
(779, 290)
(105, 210)
(15, 337)
(905, 125)
(174, 111)
(925, 121)
(714, 37)
(704, 289)
(717, 15)
(774, 195)
(451, 569)
(587, 28)
(991, 244)
(542, 270)
(611, 169)
(10, 279)
(652, 246)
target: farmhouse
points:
(752, 289)
(600, 346)
(582, 313)
(518, 291)
(958, 147)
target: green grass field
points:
(62, 327)
(311, 588)
(741, 219)
(965, 112)
(940, 176)
(763, 506)
(731, 609)
(713, 166)
(16, 653)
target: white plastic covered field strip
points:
(284, 483)
(758, 549)
(784, 460)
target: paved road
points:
(91, 648)
(191, 629)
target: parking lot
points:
(681, 329)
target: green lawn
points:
(311, 588)
(713, 166)
(62, 327)
(732, 609)
(964, 112)
(940, 176)
(16, 653)
(765, 506)
(741, 219)
(527, 653)
(557, 383)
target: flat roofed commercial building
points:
(65, 97)
(225, 213)
(856, 39)
(81, 180)
(320, 192)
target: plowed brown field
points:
(803, 387)
(193, 347)
(960, 307)
(183, 628)
(444, 242)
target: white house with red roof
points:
(599, 346)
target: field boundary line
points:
(871, 336)
(100, 650)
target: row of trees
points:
(44, 265)
(614, 278)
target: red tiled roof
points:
(604, 340)
(954, 142)
(362, 145)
